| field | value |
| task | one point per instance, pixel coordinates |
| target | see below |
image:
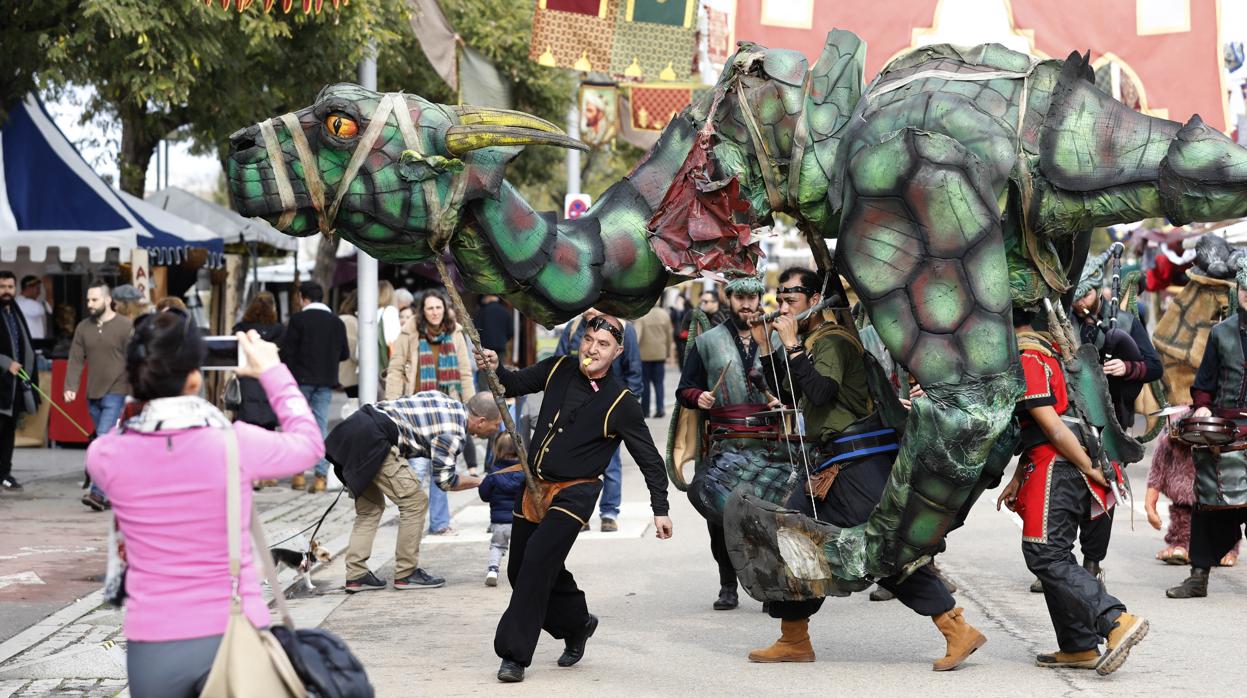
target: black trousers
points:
(853, 496)
(1081, 610)
(718, 548)
(1094, 534)
(8, 433)
(544, 595)
(1214, 533)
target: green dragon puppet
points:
(959, 182)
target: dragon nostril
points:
(242, 139)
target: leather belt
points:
(746, 422)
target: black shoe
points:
(10, 483)
(575, 646)
(368, 582)
(1036, 586)
(419, 579)
(881, 594)
(660, 415)
(727, 599)
(1193, 587)
(96, 502)
(510, 672)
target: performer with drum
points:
(1216, 431)
(820, 366)
(721, 383)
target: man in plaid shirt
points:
(370, 450)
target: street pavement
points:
(658, 634)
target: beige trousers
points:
(399, 484)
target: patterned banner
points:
(630, 39)
(651, 107)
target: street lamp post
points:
(366, 280)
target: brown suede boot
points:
(793, 644)
(1069, 660)
(298, 482)
(1126, 634)
(963, 639)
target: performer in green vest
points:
(722, 382)
(819, 366)
(1220, 511)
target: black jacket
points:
(358, 446)
(11, 387)
(493, 321)
(314, 345)
(255, 408)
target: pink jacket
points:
(168, 493)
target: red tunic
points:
(1045, 386)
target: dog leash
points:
(21, 373)
(316, 525)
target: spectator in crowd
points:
(64, 320)
(167, 477)
(432, 354)
(654, 338)
(371, 450)
(130, 302)
(261, 316)
(500, 488)
(314, 346)
(403, 299)
(348, 369)
(17, 353)
(493, 322)
(677, 310)
(172, 303)
(708, 304)
(34, 308)
(387, 314)
(99, 345)
(626, 368)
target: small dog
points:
(298, 554)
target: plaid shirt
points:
(431, 425)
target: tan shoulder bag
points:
(250, 663)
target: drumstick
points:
(722, 375)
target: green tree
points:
(161, 66)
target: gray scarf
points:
(176, 414)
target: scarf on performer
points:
(438, 364)
(176, 414)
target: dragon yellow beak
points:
(481, 127)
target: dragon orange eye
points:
(341, 126)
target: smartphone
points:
(224, 354)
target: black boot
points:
(574, 647)
(510, 672)
(1193, 587)
(1096, 571)
(727, 599)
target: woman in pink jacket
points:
(165, 473)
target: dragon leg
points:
(922, 245)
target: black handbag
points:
(322, 660)
(232, 397)
(324, 663)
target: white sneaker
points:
(491, 577)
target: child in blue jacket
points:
(500, 489)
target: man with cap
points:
(722, 382)
(1220, 510)
(1129, 362)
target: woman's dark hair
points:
(262, 309)
(448, 318)
(163, 351)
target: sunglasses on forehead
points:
(601, 323)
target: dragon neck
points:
(553, 270)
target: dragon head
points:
(387, 172)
